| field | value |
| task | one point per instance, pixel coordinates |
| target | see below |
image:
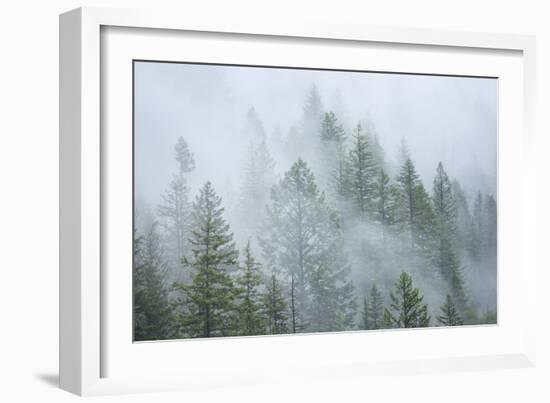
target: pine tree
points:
(450, 315)
(152, 309)
(375, 308)
(332, 138)
(174, 208)
(275, 308)
(415, 213)
(476, 241)
(313, 110)
(385, 197)
(444, 203)
(406, 307)
(491, 225)
(259, 177)
(253, 128)
(250, 318)
(208, 303)
(445, 258)
(463, 216)
(365, 315)
(362, 172)
(302, 237)
(184, 157)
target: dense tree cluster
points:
(342, 240)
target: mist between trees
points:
(322, 232)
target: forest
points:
(335, 236)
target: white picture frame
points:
(86, 311)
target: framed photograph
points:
(245, 203)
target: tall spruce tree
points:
(449, 314)
(250, 317)
(152, 309)
(415, 213)
(365, 325)
(476, 241)
(184, 156)
(385, 199)
(375, 309)
(259, 176)
(406, 306)
(275, 308)
(302, 237)
(332, 137)
(208, 302)
(253, 128)
(491, 225)
(362, 171)
(463, 216)
(175, 210)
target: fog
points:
(448, 119)
(452, 120)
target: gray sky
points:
(448, 119)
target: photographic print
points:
(276, 200)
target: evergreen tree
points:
(208, 303)
(445, 258)
(365, 315)
(332, 138)
(362, 172)
(491, 225)
(175, 211)
(406, 307)
(331, 130)
(385, 197)
(174, 208)
(250, 320)
(152, 310)
(444, 203)
(450, 315)
(259, 176)
(253, 128)
(275, 308)
(184, 157)
(313, 110)
(463, 216)
(415, 213)
(375, 308)
(476, 236)
(302, 237)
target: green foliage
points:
(476, 237)
(365, 315)
(152, 311)
(275, 308)
(375, 308)
(208, 303)
(450, 315)
(444, 203)
(303, 238)
(258, 178)
(250, 318)
(385, 198)
(362, 172)
(175, 210)
(331, 130)
(491, 224)
(415, 213)
(406, 307)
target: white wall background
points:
(29, 201)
